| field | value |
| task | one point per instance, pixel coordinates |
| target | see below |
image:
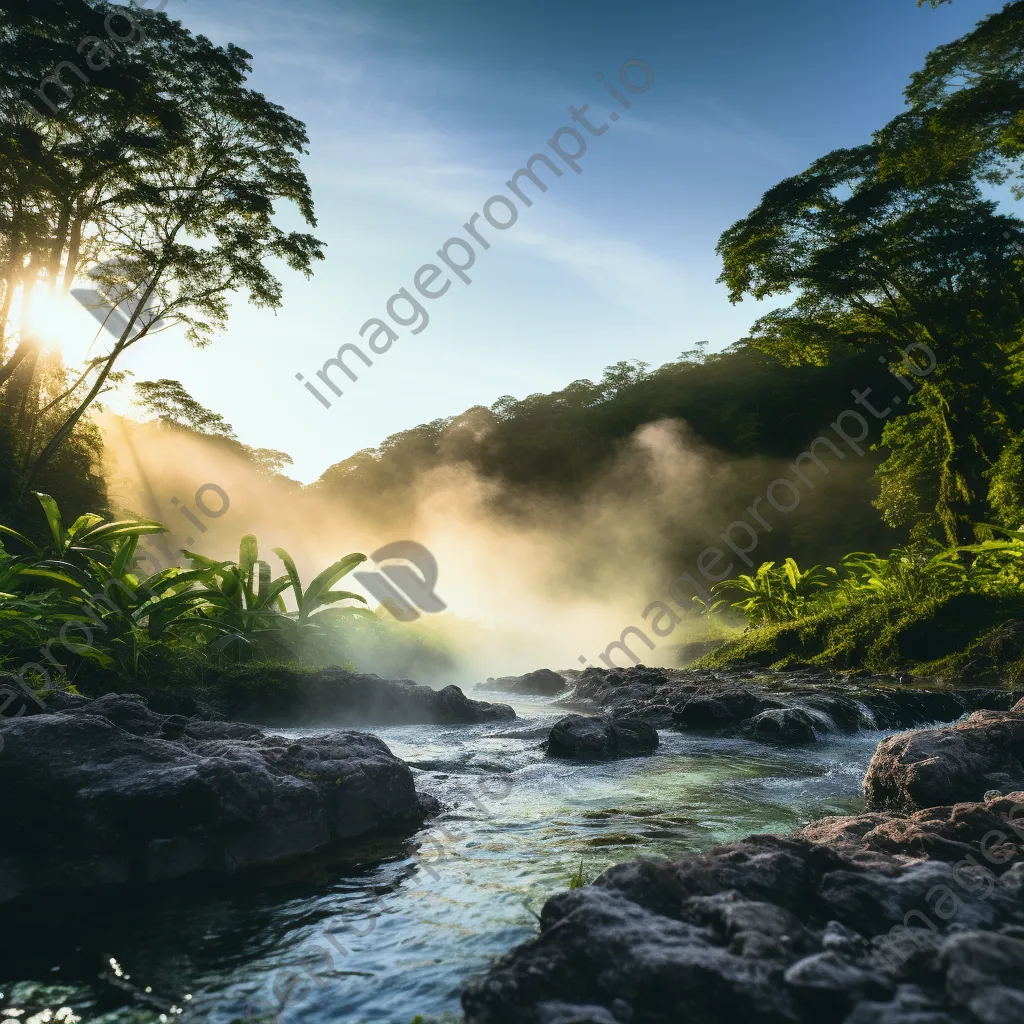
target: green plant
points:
(578, 880)
(775, 594)
(309, 625)
(77, 600)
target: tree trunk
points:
(26, 342)
(5, 307)
(53, 264)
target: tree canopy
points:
(133, 146)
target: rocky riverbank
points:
(108, 792)
(877, 918)
(289, 696)
(794, 706)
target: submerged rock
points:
(577, 736)
(334, 696)
(113, 793)
(803, 929)
(937, 766)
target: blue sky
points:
(417, 113)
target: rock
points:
(112, 793)
(576, 736)
(785, 930)
(705, 701)
(288, 697)
(781, 725)
(942, 766)
(541, 683)
(723, 711)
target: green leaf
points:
(86, 522)
(293, 576)
(124, 556)
(8, 532)
(325, 580)
(53, 520)
(248, 554)
(50, 574)
(122, 528)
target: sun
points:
(63, 326)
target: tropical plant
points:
(775, 594)
(310, 621)
(77, 597)
(241, 598)
(907, 574)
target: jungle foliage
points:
(145, 157)
(893, 247)
(74, 609)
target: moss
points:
(962, 636)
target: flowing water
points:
(392, 935)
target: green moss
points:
(962, 636)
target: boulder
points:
(577, 736)
(781, 725)
(941, 766)
(784, 930)
(540, 683)
(724, 711)
(112, 793)
(282, 697)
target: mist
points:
(529, 580)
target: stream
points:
(394, 932)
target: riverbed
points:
(394, 932)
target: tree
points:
(883, 263)
(174, 406)
(78, 109)
(966, 107)
(170, 174)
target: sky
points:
(418, 113)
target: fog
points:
(529, 581)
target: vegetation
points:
(924, 606)
(894, 248)
(158, 168)
(579, 879)
(75, 605)
(901, 275)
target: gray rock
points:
(778, 929)
(540, 683)
(577, 736)
(781, 725)
(102, 795)
(291, 697)
(933, 767)
(724, 711)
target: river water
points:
(392, 935)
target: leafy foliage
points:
(160, 164)
(83, 579)
(775, 594)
